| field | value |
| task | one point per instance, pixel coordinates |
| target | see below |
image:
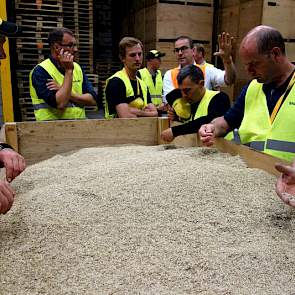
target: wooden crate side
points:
(290, 51)
(145, 24)
(252, 158)
(9, 135)
(280, 14)
(174, 20)
(39, 141)
(229, 20)
(250, 16)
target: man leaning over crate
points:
(127, 96)
(58, 86)
(13, 162)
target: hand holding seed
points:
(285, 186)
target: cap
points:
(8, 29)
(154, 54)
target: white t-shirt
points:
(213, 78)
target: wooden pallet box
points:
(38, 141)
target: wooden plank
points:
(38, 141)
(290, 50)
(280, 15)
(11, 135)
(176, 20)
(252, 158)
(163, 124)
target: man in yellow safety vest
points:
(152, 76)
(58, 86)
(264, 111)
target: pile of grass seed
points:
(146, 220)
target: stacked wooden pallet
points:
(78, 17)
(39, 18)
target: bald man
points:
(264, 111)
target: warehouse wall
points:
(99, 25)
(239, 17)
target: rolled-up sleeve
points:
(39, 79)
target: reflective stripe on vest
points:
(155, 90)
(129, 91)
(43, 111)
(47, 106)
(256, 130)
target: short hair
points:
(200, 48)
(128, 42)
(269, 38)
(56, 35)
(190, 40)
(192, 71)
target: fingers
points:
(13, 162)
(6, 197)
(284, 168)
(167, 135)
(52, 85)
(206, 133)
(288, 173)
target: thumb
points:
(284, 169)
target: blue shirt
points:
(40, 77)
(235, 114)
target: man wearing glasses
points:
(185, 52)
(58, 86)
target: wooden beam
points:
(11, 135)
(38, 141)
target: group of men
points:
(190, 93)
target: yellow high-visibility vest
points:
(276, 138)
(137, 102)
(43, 111)
(155, 90)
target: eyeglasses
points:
(70, 45)
(182, 48)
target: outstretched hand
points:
(225, 42)
(285, 186)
